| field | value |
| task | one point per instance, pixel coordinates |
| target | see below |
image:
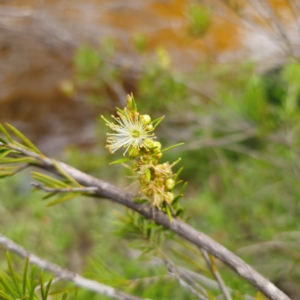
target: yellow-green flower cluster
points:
(134, 133)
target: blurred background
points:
(226, 75)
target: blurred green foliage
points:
(241, 158)
(199, 18)
(28, 285)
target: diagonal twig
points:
(216, 274)
(182, 281)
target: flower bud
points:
(149, 127)
(143, 179)
(146, 119)
(148, 143)
(166, 168)
(134, 152)
(158, 155)
(156, 147)
(169, 183)
(131, 103)
(169, 197)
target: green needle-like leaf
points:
(177, 174)
(12, 160)
(48, 196)
(171, 147)
(3, 140)
(182, 188)
(65, 174)
(120, 111)
(48, 288)
(63, 199)
(4, 174)
(3, 130)
(32, 283)
(24, 139)
(49, 181)
(13, 275)
(64, 296)
(8, 286)
(169, 213)
(25, 277)
(120, 161)
(148, 174)
(75, 294)
(42, 286)
(156, 122)
(4, 153)
(4, 296)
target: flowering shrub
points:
(134, 132)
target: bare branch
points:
(189, 233)
(64, 274)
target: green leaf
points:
(121, 111)
(48, 196)
(59, 291)
(149, 232)
(64, 296)
(120, 161)
(25, 276)
(13, 275)
(42, 285)
(8, 286)
(3, 130)
(169, 213)
(183, 188)
(49, 181)
(180, 212)
(32, 283)
(106, 121)
(171, 147)
(176, 162)
(134, 106)
(8, 168)
(63, 199)
(3, 141)
(13, 160)
(4, 153)
(5, 174)
(148, 174)
(48, 288)
(174, 202)
(177, 174)
(65, 174)
(146, 250)
(75, 294)
(187, 258)
(156, 122)
(4, 296)
(24, 139)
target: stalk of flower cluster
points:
(134, 133)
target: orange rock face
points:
(38, 40)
